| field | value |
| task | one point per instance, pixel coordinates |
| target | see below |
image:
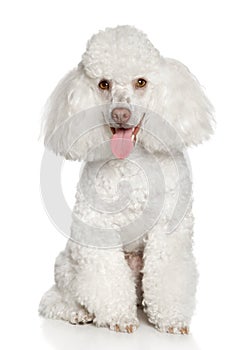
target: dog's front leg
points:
(169, 279)
(105, 286)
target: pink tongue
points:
(121, 143)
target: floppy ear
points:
(182, 102)
(72, 95)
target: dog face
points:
(118, 92)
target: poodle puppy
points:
(129, 114)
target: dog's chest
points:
(122, 197)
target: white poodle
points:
(129, 113)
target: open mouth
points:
(123, 140)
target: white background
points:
(40, 42)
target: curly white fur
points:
(98, 284)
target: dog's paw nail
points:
(170, 330)
(184, 330)
(129, 329)
(116, 328)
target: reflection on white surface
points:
(63, 336)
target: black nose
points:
(121, 115)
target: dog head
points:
(124, 91)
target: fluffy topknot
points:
(107, 50)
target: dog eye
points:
(140, 83)
(104, 85)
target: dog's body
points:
(150, 259)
